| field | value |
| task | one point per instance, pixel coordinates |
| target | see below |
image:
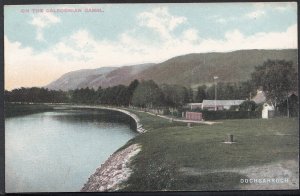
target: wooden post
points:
(229, 138)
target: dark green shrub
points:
(247, 106)
(227, 114)
(234, 108)
(259, 107)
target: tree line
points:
(137, 93)
(276, 77)
(35, 95)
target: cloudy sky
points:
(40, 47)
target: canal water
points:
(57, 151)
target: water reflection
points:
(90, 115)
(59, 150)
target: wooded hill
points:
(195, 69)
(188, 70)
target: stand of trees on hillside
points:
(226, 91)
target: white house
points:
(268, 111)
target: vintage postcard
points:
(151, 97)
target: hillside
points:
(93, 78)
(123, 75)
(188, 70)
(78, 79)
(194, 69)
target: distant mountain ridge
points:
(77, 79)
(196, 69)
(93, 78)
(187, 70)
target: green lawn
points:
(169, 147)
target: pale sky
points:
(40, 47)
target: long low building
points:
(220, 104)
(193, 106)
(210, 104)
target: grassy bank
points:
(11, 109)
(172, 151)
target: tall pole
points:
(288, 106)
(215, 96)
(215, 78)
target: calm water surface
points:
(58, 151)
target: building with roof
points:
(268, 111)
(260, 97)
(220, 104)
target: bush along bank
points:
(14, 109)
(221, 115)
